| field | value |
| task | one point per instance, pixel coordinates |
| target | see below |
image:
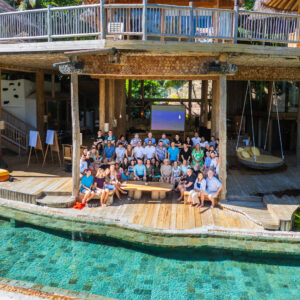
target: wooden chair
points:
(67, 153)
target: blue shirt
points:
(86, 181)
(109, 152)
(152, 140)
(212, 185)
(184, 169)
(207, 162)
(200, 186)
(139, 170)
(125, 177)
(212, 144)
(161, 153)
(166, 142)
(173, 153)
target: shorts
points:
(213, 194)
(140, 177)
(110, 187)
(84, 191)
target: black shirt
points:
(99, 138)
(89, 160)
(189, 179)
(186, 154)
(177, 141)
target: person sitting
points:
(185, 153)
(206, 148)
(149, 170)
(85, 151)
(99, 148)
(135, 140)
(125, 163)
(83, 164)
(90, 161)
(203, 142)
(119, 171)
(139, 171)
(110, 137)
(120, 153)
(164, 140)
(213, 187)
(150, 138)
(184, 167)
(187, 184)
(131, 169)
(95, 154)
(99, 185)
(212, 141)
(109, 152)
(115, 181)
(157, 174)
(213, 160)
(197, 158)
(207, 161)
(160, 151)
(129, 153)
(198, 191)
(123, 141)
(125, 175)
(189, 142)
(99, 139)
(166, 171)
(177, 140)
(138, 151)
(86, 186)
(196, 139)
(173, 153)
(149, 151)
(176, 174)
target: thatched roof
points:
(285, 5)
(5, 7)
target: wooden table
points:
(158, 189)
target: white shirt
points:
(139, 151)
(149, 152)
(196, 141)
(83, 166)
(213, 163)
(202, 145)
(120, 152)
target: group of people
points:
(110, 162)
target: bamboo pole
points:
(76, 136)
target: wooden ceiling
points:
(288, 5)
(227, 4)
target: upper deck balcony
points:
(148, 21)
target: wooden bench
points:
(110, 199)
(186, 196)
(136, 188)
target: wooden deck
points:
(246, 208)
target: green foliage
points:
(34, 4)
(249, 4)
(176, 84)
(152, 88)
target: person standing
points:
(196, 139)
(135, 140)
(110, 137)
(149, 151)
(173, 153)
(185, 153)
(150, 138)
(197, 158)
(160, 152)
(138, 151)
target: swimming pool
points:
(103, 268)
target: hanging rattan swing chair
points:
(251, 156)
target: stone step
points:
(56, 201)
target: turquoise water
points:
(29, 254)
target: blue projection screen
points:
(168, 117)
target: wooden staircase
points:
(15, 134)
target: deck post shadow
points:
(75, 136)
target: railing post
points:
(144, 20)
(102, 20)
(236, 21)
(192, 30)
(49, 23)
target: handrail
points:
(187, 23)
(15, 136)
(15, 121)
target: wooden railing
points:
(15, 136)
(149, 21)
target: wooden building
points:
(153, 41)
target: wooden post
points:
(0, 112)
(270, 99)
(40, 102)
(76, 136)
(222, 129)
(103, 21)
(111, 103)
(190, 103)
(205, 101)
(101, 103)
(298, 128)
(215, 108)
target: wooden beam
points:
(190, 103)
(222, 128)
(298, 129)
(75, 136)
(53, 85)
(204, 96)
(270, 99)
(40, 103)
(214, 106)
(111, 103)
(102, 98)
